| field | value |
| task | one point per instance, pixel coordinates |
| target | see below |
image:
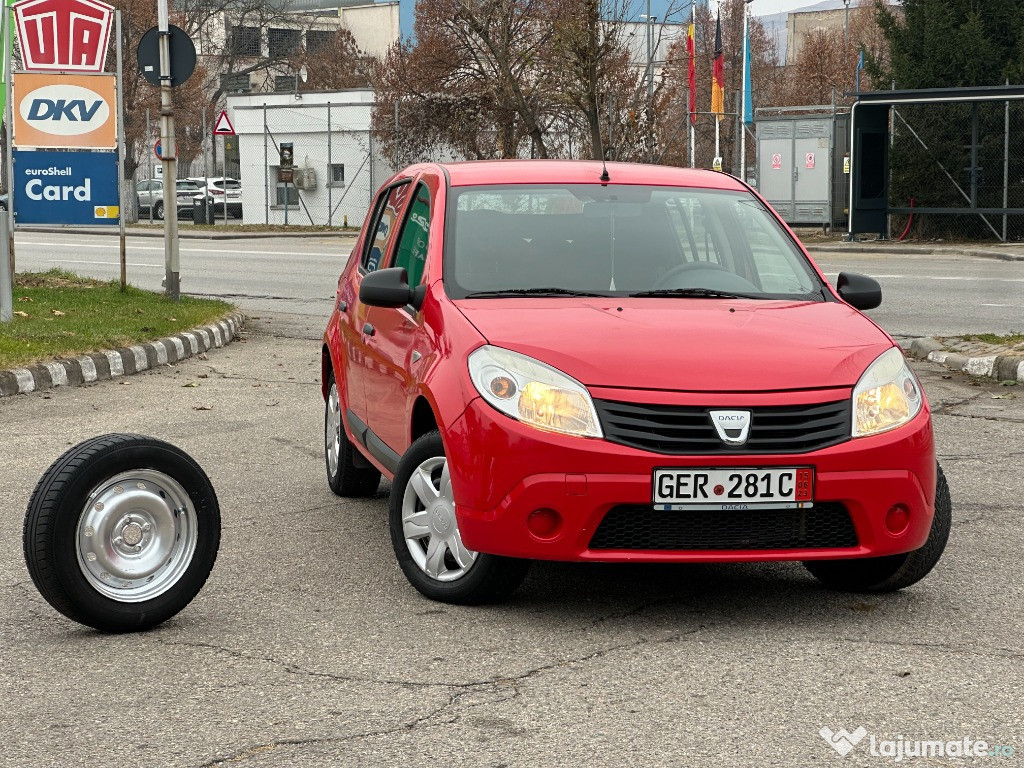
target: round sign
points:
(158, 149)
(182, 55)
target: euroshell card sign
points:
(65, 187)
(63, 35)
(77, 111)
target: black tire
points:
(158, 210)
(166, 490)
(353, 476)
(488, 578)
(888, 574)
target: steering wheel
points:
(688, 267)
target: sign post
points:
(172, 265)
(120, 158)
(224, 128)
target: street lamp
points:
(650, 20)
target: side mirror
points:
(390, 288)
(859, 291)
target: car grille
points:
(643, 527)
(678, 430)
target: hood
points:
(694, 345)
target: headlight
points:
(533, 392)
(887, 396)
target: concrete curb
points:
(109, 364)
(998, 367)
(186, 234)
(921, 250)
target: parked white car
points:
(150, 193)
(219, 188)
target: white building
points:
(337, 167)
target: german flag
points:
(691, 49)
(718, 75)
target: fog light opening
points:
(897, 519)
(544, 523)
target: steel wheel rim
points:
(136, 535)
(332, 430)
(429, 524)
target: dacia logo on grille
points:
(732, 426)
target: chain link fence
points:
(336, 167)
(955, 157)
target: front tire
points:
(158, 211)
(888, 574)
(122, 532)
(426, 539)
(343, 475)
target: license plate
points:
(733, 488)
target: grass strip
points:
(60, 314)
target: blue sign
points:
(65, 187)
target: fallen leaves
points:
(25, 298)
(202, 407)
(191, 384)
(56, 313)
(19, 313)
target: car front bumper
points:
(503, 470)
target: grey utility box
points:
(801, 167)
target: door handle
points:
(342, 305)
(368, 329)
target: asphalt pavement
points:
(307, 646)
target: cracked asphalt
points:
(307, 647)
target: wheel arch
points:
(423, 420)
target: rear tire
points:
(888, 574)
(426, 539)
(158, 211)
(340, 456)
(121, 532)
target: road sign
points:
(67, 111)
(65, 187)
(223, 126)
(158, 149)
(183, 55)
(64, 35)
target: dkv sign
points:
(76, 111)
(63, 35)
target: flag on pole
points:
(691, 49)
(860, 66)
(748, 102)
(718, 75)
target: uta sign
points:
(63, 35)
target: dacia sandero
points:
(586, 361)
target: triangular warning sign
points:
(223, 126)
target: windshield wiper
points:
(529, 292)
(707, 293)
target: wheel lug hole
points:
(119, 541)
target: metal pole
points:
(149, 164)
(224, 174)
(330, 170)
(743, 95)
(169, 159)
(6, 286)
(120, 155)
(207, 136)
(9, 133)
(693, 107)
(266, 174)
(1006, 160)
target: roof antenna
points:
(605, 178)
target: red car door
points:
(353, 319)
(399, 342)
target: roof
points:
(481, 172)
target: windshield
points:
(589, 239)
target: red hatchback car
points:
(576, 361)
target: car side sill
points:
(377, 447)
